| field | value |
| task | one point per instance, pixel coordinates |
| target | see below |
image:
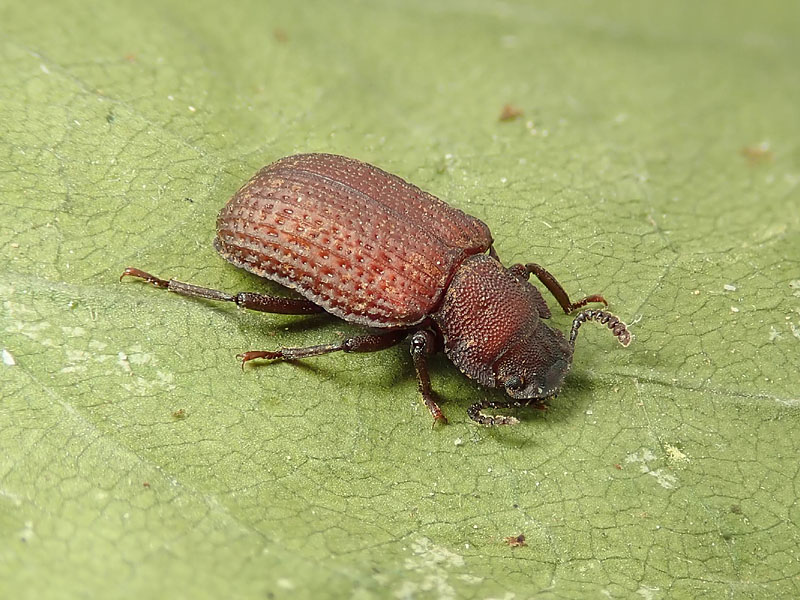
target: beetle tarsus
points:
(584, 301)
(251, 300)
(617, 327)
(258, 354)
(134, 272)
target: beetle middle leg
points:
(554, 287)
(251, 300)
(422, 345)
(372, 342)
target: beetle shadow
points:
(454, 398)
(303, 323)
(569, 405)
(273, 322)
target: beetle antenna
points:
(476, 413)
(617, 327)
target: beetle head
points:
(535, 366)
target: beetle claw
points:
(134, 272)
(440, 419)
(257, 354)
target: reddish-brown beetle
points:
(373, 249)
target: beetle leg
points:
(422, 344)
(251, 300)
(363, 343)
(476, 413)
(555, 288)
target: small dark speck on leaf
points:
(179, 414)
(736, 509)
(146, 484)
(510, 112)
(515, 541)
(189, 200)
(110, 117)
(618, 466)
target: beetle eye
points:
(514, 382)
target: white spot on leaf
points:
(8, 358)
(674, 454)
(73, 331)
(122, 361)
(646, 592)
(27, 534)
(431, 565)
(665, 479)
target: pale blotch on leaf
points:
(664, 479)
(8, 358)
(432, 566)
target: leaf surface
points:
(656, 161)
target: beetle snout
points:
(555, 376)
(537, 386)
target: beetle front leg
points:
(251, 300)
(422, 344)
(553, 286)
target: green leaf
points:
(656, 161)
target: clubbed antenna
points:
(617, 327)
(476, 413)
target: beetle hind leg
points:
(250, 300)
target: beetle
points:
(372, 249)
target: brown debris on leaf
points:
(757, 154)
(510, 112)
(515, 541)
